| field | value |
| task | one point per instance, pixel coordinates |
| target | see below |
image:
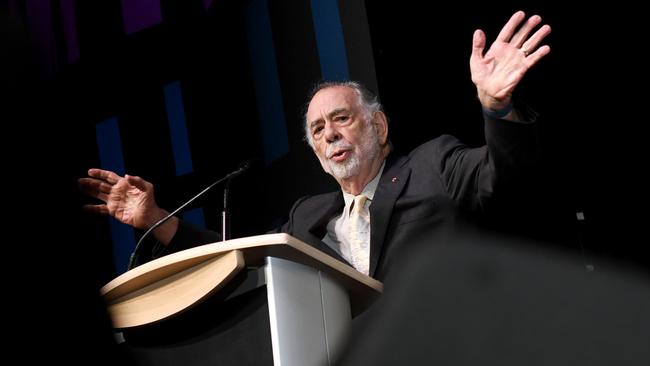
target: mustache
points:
(338, 145)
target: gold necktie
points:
(359, 234)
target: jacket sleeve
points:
(288, 226)
(474, 176)
(189, 236)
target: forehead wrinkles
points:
(331, 99)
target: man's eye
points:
(341, 118)
(317, 130)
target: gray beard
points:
(347, 169)
(368, 151)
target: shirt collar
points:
(368, 190)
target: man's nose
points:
(331, 132)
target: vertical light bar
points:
(207, 3)
(329, 40)
(70, 30)
(270, 107)
(140, 14)
(195, 216)
(178, 128)
(39, 18)
(110, 157)
(180, 142)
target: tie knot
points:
(359, 203)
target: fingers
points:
(537, 55)
(95, 188)
(521, 35)
(509, 28)
(536, 39)
(478, 43)
(93, 185)
(96, 209)
(140, 183)
(105, 175)
(520, 39)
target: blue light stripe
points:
(270, 107)
(178, 129)
(195, 216)
(329, 40)
(110, 158)
(181, 143)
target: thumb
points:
(478, 43)
(138, 182)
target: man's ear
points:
(381, 125)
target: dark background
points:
(415, 55)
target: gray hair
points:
(369, 101)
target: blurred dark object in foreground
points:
(462, 300)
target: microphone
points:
(225, 212)
(243, 167)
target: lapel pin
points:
(394, 180)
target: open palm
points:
(129, 199)
(497, 72)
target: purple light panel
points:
(70, 30)
(140, 14)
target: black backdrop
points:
(415, 55)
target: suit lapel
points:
(317, 223)
(390, 186)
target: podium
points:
(263, 300)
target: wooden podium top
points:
(173, 283)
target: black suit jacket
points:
(417, 193)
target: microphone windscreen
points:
(249, 163)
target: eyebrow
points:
(329, 115)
